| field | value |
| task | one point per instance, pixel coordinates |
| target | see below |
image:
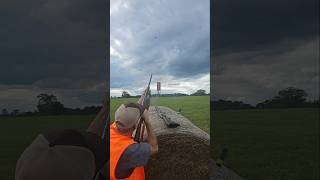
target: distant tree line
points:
(200, 92)
(5, 112)
(287, 98)
(226, 105)
(290, 97)
(48, 104)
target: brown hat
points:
(63, 162)
(128, 115)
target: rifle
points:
(145, 102)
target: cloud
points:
(261, 76)
(169, 39)
(263, 46)
(257, 25)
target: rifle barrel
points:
(139, 135)
(149, 81)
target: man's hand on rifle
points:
(145, 116)
(152, 139)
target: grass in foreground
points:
(195, 108)
(270, 144)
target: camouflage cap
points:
(128, 115)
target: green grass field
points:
(262, 144)
(270, 144)
(16, 133)
(195, 108)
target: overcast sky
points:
(168, 38)
(60, 47)
(54, 47)
(264, 46)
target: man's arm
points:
(152, 139)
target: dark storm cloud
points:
(54, 45)
(255, 25)
(52, 39)
(192, 62)
(263, 46)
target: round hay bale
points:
(183, 151)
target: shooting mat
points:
(183, 151)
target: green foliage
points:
(125, 94)
(199, 92)
(49, 105)
(4, 112)
(286, 98)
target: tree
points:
(49, 105)
(5, 112)
(293, 95)
(15, 112)
(286, 98)
(125, 94)
(46, 99)
(199, 92)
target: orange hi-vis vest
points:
(118, 144)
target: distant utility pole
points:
(159, 88)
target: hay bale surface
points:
(183, 151)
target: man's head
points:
(127, 117)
